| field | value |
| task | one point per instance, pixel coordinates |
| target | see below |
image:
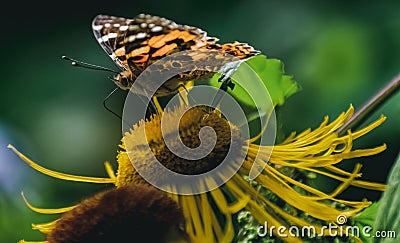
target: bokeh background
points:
(340, 52)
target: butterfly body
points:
(135, 44)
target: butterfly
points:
(135, 44)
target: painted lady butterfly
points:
(136, 43)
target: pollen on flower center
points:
(190, 123)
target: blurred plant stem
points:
(372, 105)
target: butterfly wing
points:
(150, 38)
(110, 32)
(136, 43)
(133, 44)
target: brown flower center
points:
(225, 136)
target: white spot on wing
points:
(165, 22)
(107, 25)
(141, 35)
(97, 27)
(103, 38)
(116, 25)
(131, 38)
(133, 27)
(156, 29)
(123, 28)
(143, 25)
(112, 35)
(173, 25)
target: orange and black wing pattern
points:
(134, 44)
(138, 42)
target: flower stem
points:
(371, 106)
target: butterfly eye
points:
(124, 81)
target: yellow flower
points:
(209, 216)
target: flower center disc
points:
(190, 125)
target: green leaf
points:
(367, 216)
(270, 72)
(366, 219)
(388, 216)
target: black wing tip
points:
(100, 17)
(104, 18)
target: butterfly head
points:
(123, 80)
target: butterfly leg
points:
(226, 83)
(125, 123)
(153, 104)
(183, 91)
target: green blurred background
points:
(340, 52)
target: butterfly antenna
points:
(77, 63)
